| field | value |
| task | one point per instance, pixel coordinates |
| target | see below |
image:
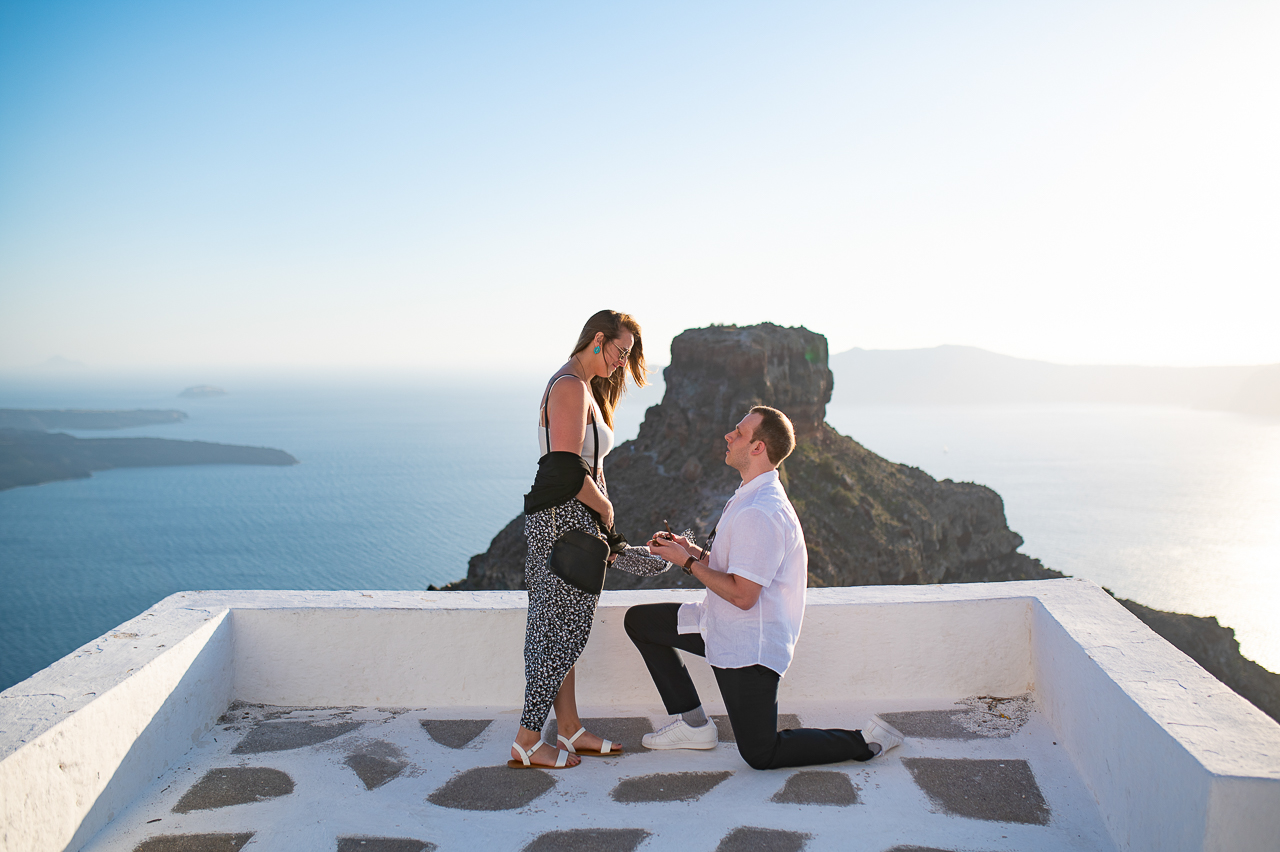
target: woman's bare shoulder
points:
(567, 385)
(569, 393)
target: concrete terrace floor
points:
(362, 779)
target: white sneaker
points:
(680, 734)
(877, 730)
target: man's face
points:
(738, 452)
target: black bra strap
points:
(591, 413)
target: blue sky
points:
(459, 185)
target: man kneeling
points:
(756, 575)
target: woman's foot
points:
(587, 742)
(543, 754)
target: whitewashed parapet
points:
(81, 739)
(1176, 760)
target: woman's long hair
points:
(608, 391)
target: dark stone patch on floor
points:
(282, 736)
(492, 788)
(375, 769)
(786, 721)
(667, 787)
(454, 733)
(588, 840)
(821, 787)
(996, 790)
(916, 848)
(195, 843)
(234, 785)
(359, 843)
(626, 731)
(930, 725)
(763, 840)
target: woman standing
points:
(575, 433)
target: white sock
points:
(695, 718)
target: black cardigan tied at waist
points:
(559, 479)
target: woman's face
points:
(615, 352)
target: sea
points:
(403, 477)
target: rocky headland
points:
(29, 457)
(867, 521)
(46, 420)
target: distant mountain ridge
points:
(30, 457)
(950, 375)
(46, 420)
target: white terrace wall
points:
(464, 650)
(1176, 761)
(81, 739)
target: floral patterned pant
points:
(560, 616)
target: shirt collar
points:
(755, 484)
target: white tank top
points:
(588, 451)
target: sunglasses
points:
(623, 354)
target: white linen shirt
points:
(758, 538)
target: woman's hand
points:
(591, 497)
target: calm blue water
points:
(1174, 508)
(403, 479)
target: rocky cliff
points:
(866, 520)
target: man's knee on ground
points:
(631, 622)
(759, 760)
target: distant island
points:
(950, 375)
(29, 457)
(45, 420)
(202, 392)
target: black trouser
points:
(750, 696)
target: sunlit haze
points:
(458, 185)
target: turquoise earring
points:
(596, 350)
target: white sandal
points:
(606, 747)
(562, 758)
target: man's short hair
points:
(776, 431)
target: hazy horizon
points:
(457, 186)
(72, 370)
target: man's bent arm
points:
(739, 591)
